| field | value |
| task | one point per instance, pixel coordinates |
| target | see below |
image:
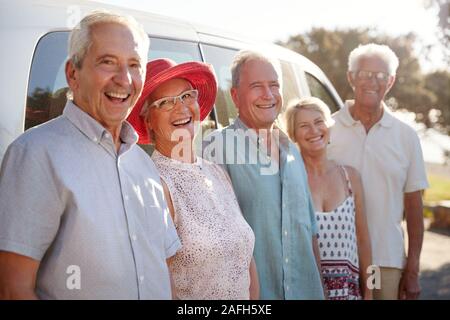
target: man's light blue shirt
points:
(94, 218)
(277, 205)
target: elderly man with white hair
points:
(387, 153)
(82, 212)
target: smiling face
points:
(311, 132)
(257, 95)
(370, 92)
(180, 121)
(111, 76)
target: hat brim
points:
(200, 75)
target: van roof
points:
(62, 15)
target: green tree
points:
(410, 91)
(330, 50)
(439, 83)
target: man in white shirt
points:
(388, 155)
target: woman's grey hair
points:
(373, 50)
(306, 103)
(244, 56)
(80, 37)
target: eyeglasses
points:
(368, 75)
(168, 103)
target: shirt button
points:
(287, 288)
(285, 232)
(287, 260)
(141, 278)
(126, 197)
(107, 135)
(95, 139)
(134, 237)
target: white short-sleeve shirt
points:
(390, 161)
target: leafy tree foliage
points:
(414, 90)
(439, 83)
(442, 9)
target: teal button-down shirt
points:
(277, 205)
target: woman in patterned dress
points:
(215, 261)
(336, 190)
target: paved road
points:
(435, 266)
(435, 258)
(434, 263)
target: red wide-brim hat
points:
(200, 75)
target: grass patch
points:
(439, 189)
(427, 213)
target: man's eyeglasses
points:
(368, 75)
(168, 103)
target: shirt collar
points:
(346, 118)
(93, 129)
(128, 134)
(238, 124)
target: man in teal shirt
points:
(270, 182)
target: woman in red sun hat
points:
(215, 261)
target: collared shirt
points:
(276, 202)
(390, 161)
(94, 218)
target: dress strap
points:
(347, 179)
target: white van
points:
(34, 33)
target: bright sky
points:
(272, 20)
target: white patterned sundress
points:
(338, 249)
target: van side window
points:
(221, 59)
(289, 86)
(178, 51)
(320, 91)
(47, 86)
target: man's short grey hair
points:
(373, 50)
(80, 38)
(244, 56)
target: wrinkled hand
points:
(409, 288)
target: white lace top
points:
(217, 243)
